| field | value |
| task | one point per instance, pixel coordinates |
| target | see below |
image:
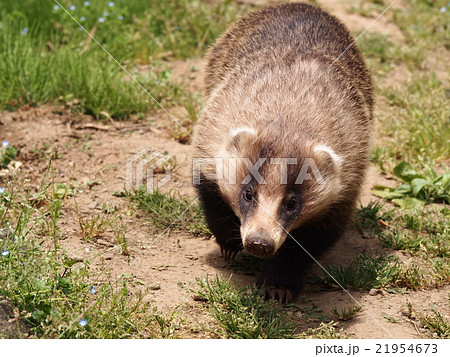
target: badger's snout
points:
(260, 244)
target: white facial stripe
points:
(336, 158)
(265, 218)
(242, 129)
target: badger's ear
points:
(329, 163)
(238, 135)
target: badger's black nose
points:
(260, 244)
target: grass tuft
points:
(243, 312)
(170, 211)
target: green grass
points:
(436, 325)
(243, 312)
(47, 58)
(7, 154)
(363, 273)
(323, 331)
(170, 211)
(346, 313)
(415, 126)
(52, 290)
(422, 232)
(417, 188)
(422, 23)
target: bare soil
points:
(92, 156)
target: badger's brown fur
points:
(284, 84)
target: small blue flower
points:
(2, 190)
(72, 8)
(82, 19)
(82, 322)
(5, 143)
(5, 253)
(443, 9)
(24, 31)
(101, 19)
(106, 14)
(87, 3)
(92, 290)
(120, 17)
(55, 7)
(111, 4)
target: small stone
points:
(374, 292)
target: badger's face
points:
(275, 188)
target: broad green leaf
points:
(417, 185)
(406, 172)
(385, 192)
(408, 202)
(403, 189)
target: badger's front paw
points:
(279, 293)
(229, 253)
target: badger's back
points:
(284, 34)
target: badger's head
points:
(275, 186)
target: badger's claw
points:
(279, 293)
(228, 254)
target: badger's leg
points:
(284, 274)
(282, 277)
(222, 221)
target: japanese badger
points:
(281, 148)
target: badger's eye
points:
(248, 194)
(291, 204)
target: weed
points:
(434, 322)
(346, 313)
(368, 218)
(390, 319)
(169, 211)
(243, 312)
(119, 229)
(8, 153)
(364, 273)
(324, 331)
(417, 187)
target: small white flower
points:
(55, 7)
(92, 290)
(101, 19)
(24, 31)
(82, 18)
(5, 143)
(111, 4)
(443, 9)
(106, 14)
(120, 17)
(87, 3)
(82, 322)
(2, 190)
(5, 253)
(72, 8)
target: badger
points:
(282, 144)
